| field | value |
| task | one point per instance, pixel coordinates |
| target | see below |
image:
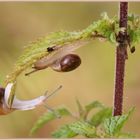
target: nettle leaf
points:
(80, 108)
(64, 132)
(131, 17)
(74, 129)
(94, 104)
(104, 15)
(100, 116)
(63, 111)
(113, 125)
(134, 29)
(49, 116)
(42, 121)
(113, 37)
(134, 35)
(126, 135)
(83, 128)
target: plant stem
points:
(121, 56)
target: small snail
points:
(66, 63)
(59, 57)
(18, 104)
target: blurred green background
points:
(22, 22)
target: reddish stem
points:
(121, 56)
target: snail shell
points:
(2, 90)
(67, 63)
(3, 108)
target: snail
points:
(66, 63)
(60, 58)
(20, 104)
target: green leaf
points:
(42, 121)
(76, 128)
(104, 15)
(94, 104)
(80, 108)
(83, 128)
(113, 37)
(131, 17)
(49, 116)
(64, 132)
(100, 116)
(113, 125)
(63, 111)
(126, 135)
